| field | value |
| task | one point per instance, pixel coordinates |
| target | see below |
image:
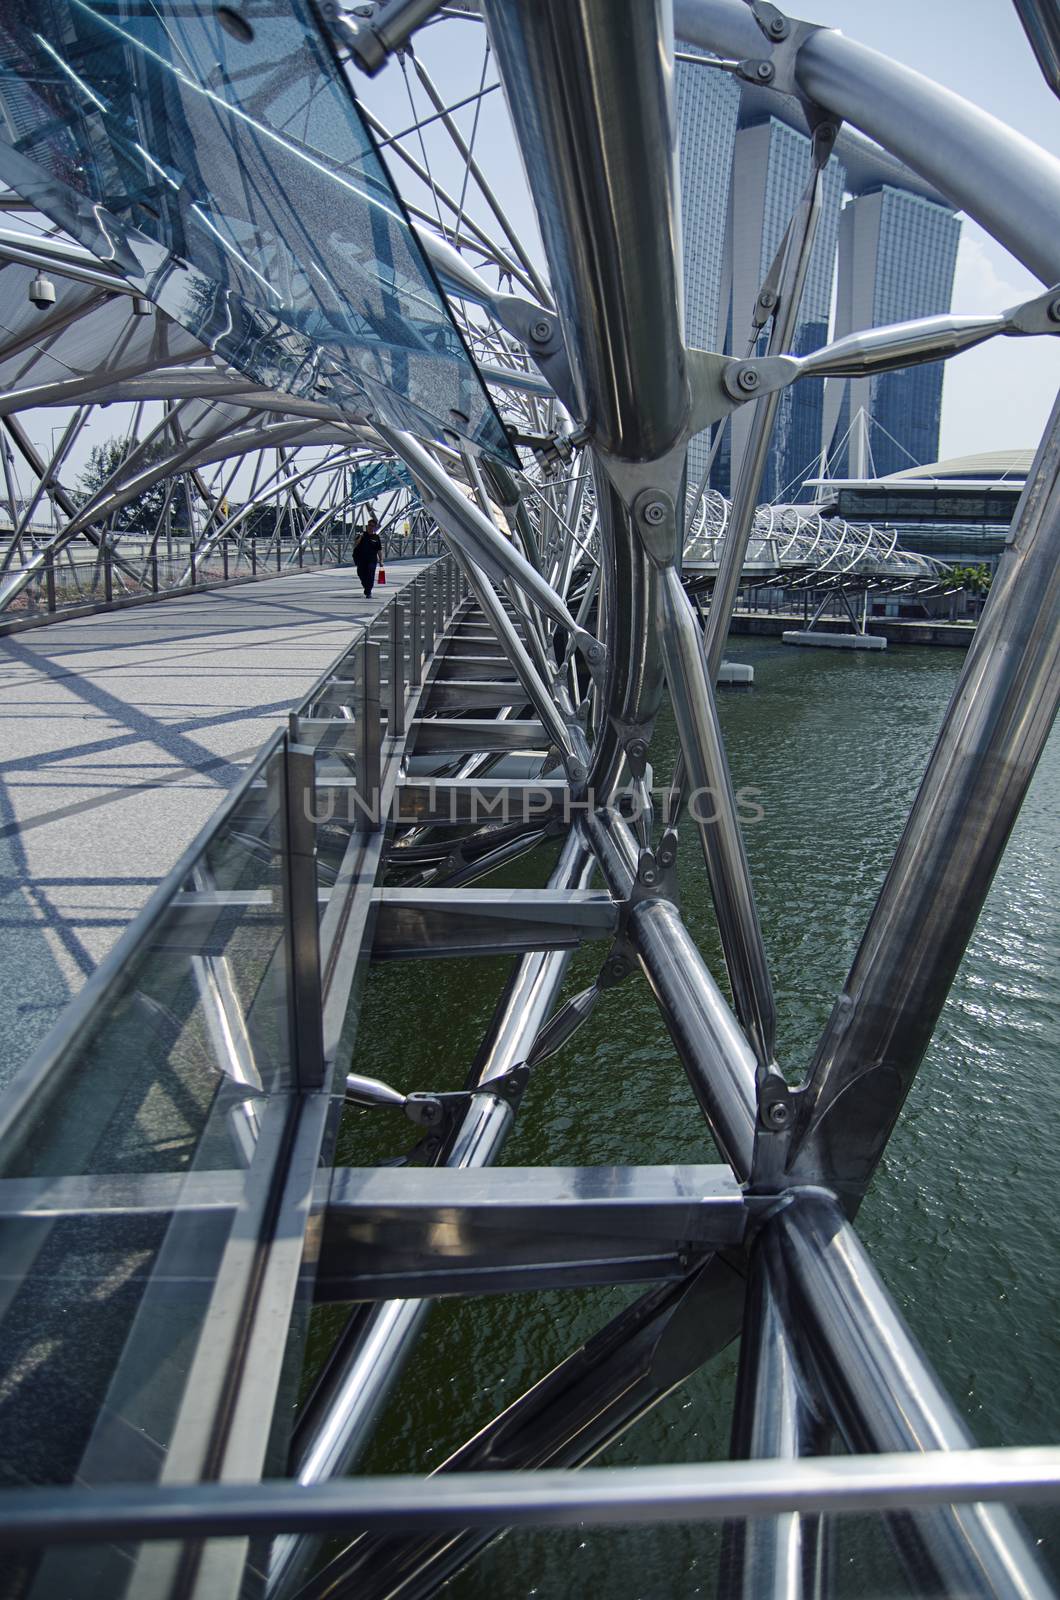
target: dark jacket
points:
(367, 550)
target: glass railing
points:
(149, 1150)
(116, 575)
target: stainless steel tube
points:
(633, 687)
(466, 525)
(537, 690)
(714, 809)
(719, 1062)
(590, 87)
(709, 1041)
(884, 1395)
(375, 40)
(564, 1420)
(749, 482)
(775, 1417)
(993, 734)
(346, 1408)
(1008, 184)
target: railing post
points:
(416, 637)
(369, 744)
(439, 604)
(429, 614)
(154, 572)
(108, 573)
(224, 557)
(49, 580)
(279, 553)
(396, 695)
(253, 554)
(191, 561)
(302, 915)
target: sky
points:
(998, 396)
(995, 397)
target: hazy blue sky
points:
(995, 397)
(998, 396)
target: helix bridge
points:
(223, 1239)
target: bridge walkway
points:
(119, 735)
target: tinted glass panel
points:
(234, 181)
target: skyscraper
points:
(771, 167)
(897, 255)
(708, 104)
(744, 162)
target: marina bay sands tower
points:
(885, 251)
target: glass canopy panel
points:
(229, 175)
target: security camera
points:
(42, 292)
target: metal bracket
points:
(785, 37)
(542, 334)
(655, 518)
(662, 476)
(777, 1114)
(434, 1110)
(635, 738)
(657, 873)
(1040, 315)
(713, 395)
(550, 449)
(619, 964)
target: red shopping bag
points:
(381, 575)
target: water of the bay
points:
(961, 1219)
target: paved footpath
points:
(119, 734)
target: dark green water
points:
(961, 1219)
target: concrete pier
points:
(834, 641)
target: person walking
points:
(366, 553)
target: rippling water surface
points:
(962, 1217)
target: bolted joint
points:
(541, 330)
(778, 28)
(768, 299)
(666, 855)
(765, 71)
(1054, 309)
(748, 379)
(777, 1114)
(656, 521)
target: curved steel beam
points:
(1007, 183)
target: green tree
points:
(975, 579)
(141, 514)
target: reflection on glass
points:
(233, 180)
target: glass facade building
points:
(897, 257)
(708, 104)
(771, 166)
(886, 256)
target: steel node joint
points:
(656, 521)
(379, 32)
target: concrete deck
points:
(119, 735)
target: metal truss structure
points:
(175, 1136)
